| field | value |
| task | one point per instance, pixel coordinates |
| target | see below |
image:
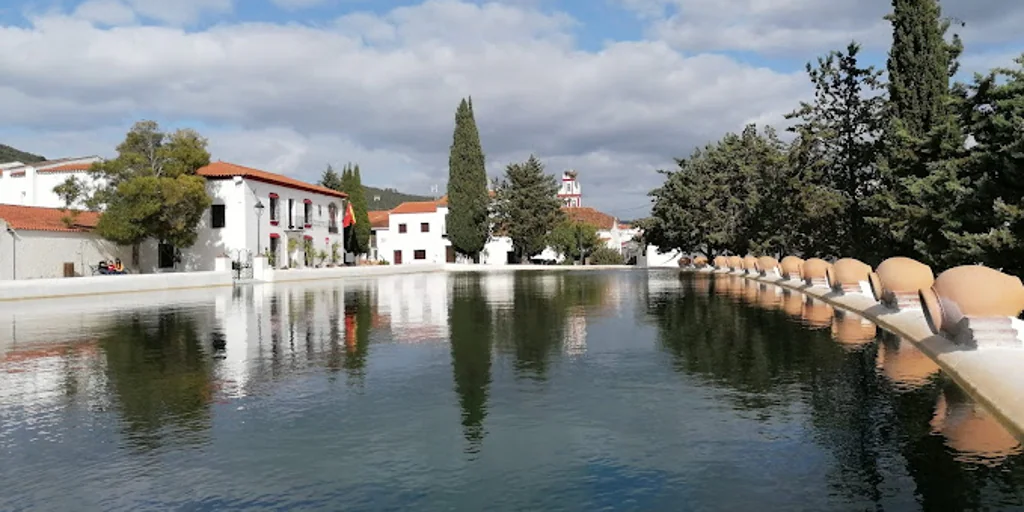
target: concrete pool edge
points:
(988, 375)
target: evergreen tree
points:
(331, 179)
(922, 136)
(527, 207)
(990, 184)
(357, 196)
(347, 183)
(468, 200)
(845, 122)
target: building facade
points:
(569, 190)
(38, 243)
(256, 212)
(32, 184)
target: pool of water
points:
(581, 391)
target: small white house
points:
(417, 233)
(256, 212)
(33, 184)
(40, 243)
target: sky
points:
(612, 88)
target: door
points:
(450, 254)
(398, 257)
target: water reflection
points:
(552, 390)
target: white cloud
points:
(807, 27)
(292, 97)
(381, 89)
(106, 12)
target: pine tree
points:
(357, 196)
(468, 200)
(845, 121)
(331, 179)
(527, 207)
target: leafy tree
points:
(606, 256)
(527, 207)
(844, 123)
(331, 179)
(151, 189)
(574, 240)
(468, 200)
(70, 191)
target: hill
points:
(388, 198)
(9, 154)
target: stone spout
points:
(897, 281)
(735, 263)
(791, 267)
(849, 275)
(815, 272)
(750, 265)
(976, 306)
(768, 267)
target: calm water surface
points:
(576, 391)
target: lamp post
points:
(259, 214)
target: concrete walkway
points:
(992, 375)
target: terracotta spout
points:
(976, 305)
(897, 281)
(791, 267)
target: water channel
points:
(576, 391)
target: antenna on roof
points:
(433, 191)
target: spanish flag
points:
(350, 216)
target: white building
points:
(47, 242)
(569, 190)
(33, 184)
(257, 212)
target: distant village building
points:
(32, 184)
(37, 242)
(416, 232)
(569, 190)
(254, 212)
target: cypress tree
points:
(347, 185)
(468, 201)
(357, 196)
(923, 137)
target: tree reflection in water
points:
(160, 375)
(880, 410)
(471, 330)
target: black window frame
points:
(214, 208)
(424, 227)
(419, 252)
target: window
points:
(291, 214)
(217, 216)
(332, 218)
(419, 254)
(424, 227)
(165, 255)
(319, 211)
(275, 214)
(401, 228)
(307, 213)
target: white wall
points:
(496, 251)
(432, 242)
(35, 188)
(654, 258)
(242, 225)
(41, 254)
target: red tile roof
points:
(587, 215)
(34, 218)
(83, 166)
(416, 207)
(378, 218)
(224, 170)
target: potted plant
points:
(309, 253)
(271, 258)
(321, 257)
(335, 253)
